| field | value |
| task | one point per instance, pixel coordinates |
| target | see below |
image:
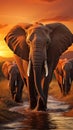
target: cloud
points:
(3, 25)
(20, 11)
(49, 0)
(57, 18)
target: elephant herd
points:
(37, 48)
(64, 74)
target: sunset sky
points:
(13, 12)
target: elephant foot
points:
(65, 93)
(33, 103)
(28, 109)
(18, 100)
(40, 106)
(38, 109)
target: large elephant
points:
(64, 74)
(40, 46)
(11, 72)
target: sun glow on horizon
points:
(4, 50)
(5, 54)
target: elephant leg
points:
(64, 90)
(32, 90)
(18, 97)
(65, 85)
(47, 82)
(46, 88)
(40, 104)
(61, 88)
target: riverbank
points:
(54, 91)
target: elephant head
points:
(67, 76)
(6, 67)
(59, 73)
(38, 40)
(63, 75)
(41, 46)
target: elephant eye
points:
(28, 41)
(47, 42)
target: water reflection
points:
(33, 121)
(50, 120)
(38, 121)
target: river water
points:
(53, 119)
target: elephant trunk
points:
(39, 62)
(37, 79)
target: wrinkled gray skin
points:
(15, 81)
(64, 75)
(40, 47)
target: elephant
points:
(68, 55)
(38, 47)
(64, 74)
(11, 72)
(58, 72)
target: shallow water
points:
(53, 119)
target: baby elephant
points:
(11, 72)
(64, 75)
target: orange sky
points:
(17, 11)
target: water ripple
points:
(53, 119)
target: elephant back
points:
(5, 68)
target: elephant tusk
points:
(29, 67)
(63, 81)
(15, 82)
(46, 68)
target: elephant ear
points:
(16, 40)
(61, 37)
